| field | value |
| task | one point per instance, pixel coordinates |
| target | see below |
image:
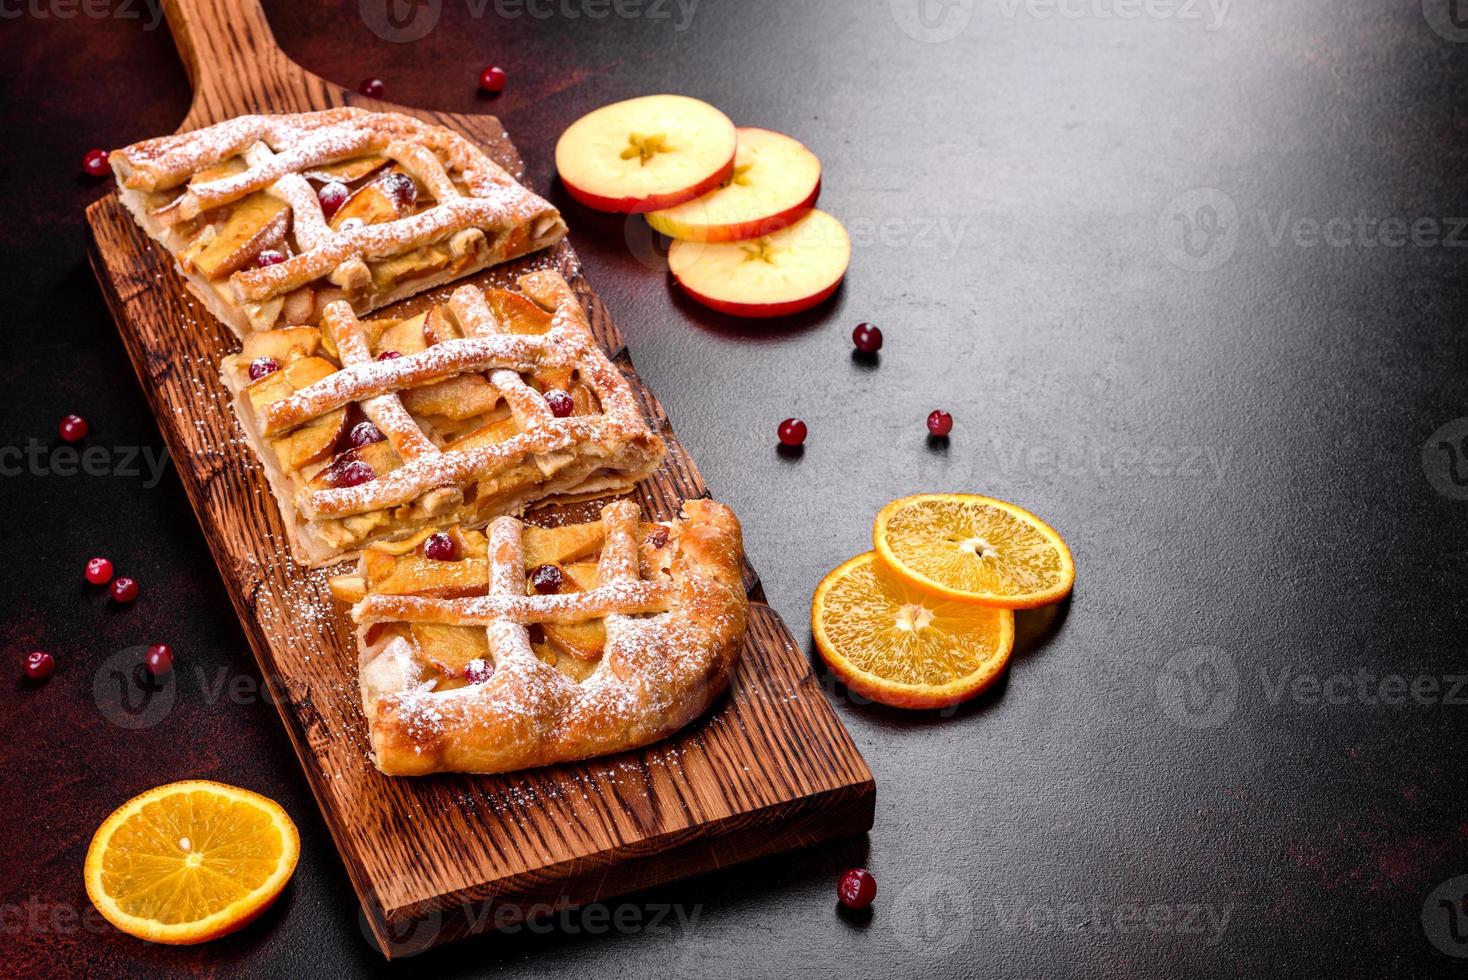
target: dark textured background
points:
(1236, 456)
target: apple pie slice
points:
(526, 646)
(273, 218)
(481, 406)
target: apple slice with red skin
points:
(776, 180)
(777, 274)
(646, 154)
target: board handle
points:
(234, 63)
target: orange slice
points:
(190, 861)
(974, 549)
(904, 646)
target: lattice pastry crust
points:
(482, 406)
(458, 675)
(423, 206)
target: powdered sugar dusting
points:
(619, 441)
(571, 607)
(277, 149)
(654, 670)
(355, 382)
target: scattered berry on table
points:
(73, 428)
(791, 432)
(159, 659)
(857, 888)
(867, 338)
(39, 664)
(95, 163)
(492, 80)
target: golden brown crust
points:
(657, 674)
(613, 449)
(482, 214)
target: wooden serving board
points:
(433, 859)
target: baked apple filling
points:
(273, 218)
(523, 646)
(372, 429)
(557, 560)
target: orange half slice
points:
(904, 646)
(190, 861)
(974, 549)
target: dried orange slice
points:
(974, 549)
(904, 646)
(190, 861)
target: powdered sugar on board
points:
(405, 840)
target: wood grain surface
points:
(769, 768)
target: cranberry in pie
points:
(470, 665)
(491, 402)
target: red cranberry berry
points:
(492, 80)
(39, 664)
(159, 659)
(364, 434)
(857, 888)
(332, 196)
(791, 432)
(940, 423)
(867, 338)
(99, 571)
(261, 366)
(478, 670)
(559, 403)
(348, 471)
(546, 579)
(95, 163)
(658, 536)
(372, 88)
(388, 355)
(440, 547)
(124, 590)
(73, 428)
(269, 257)
(402, 190)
